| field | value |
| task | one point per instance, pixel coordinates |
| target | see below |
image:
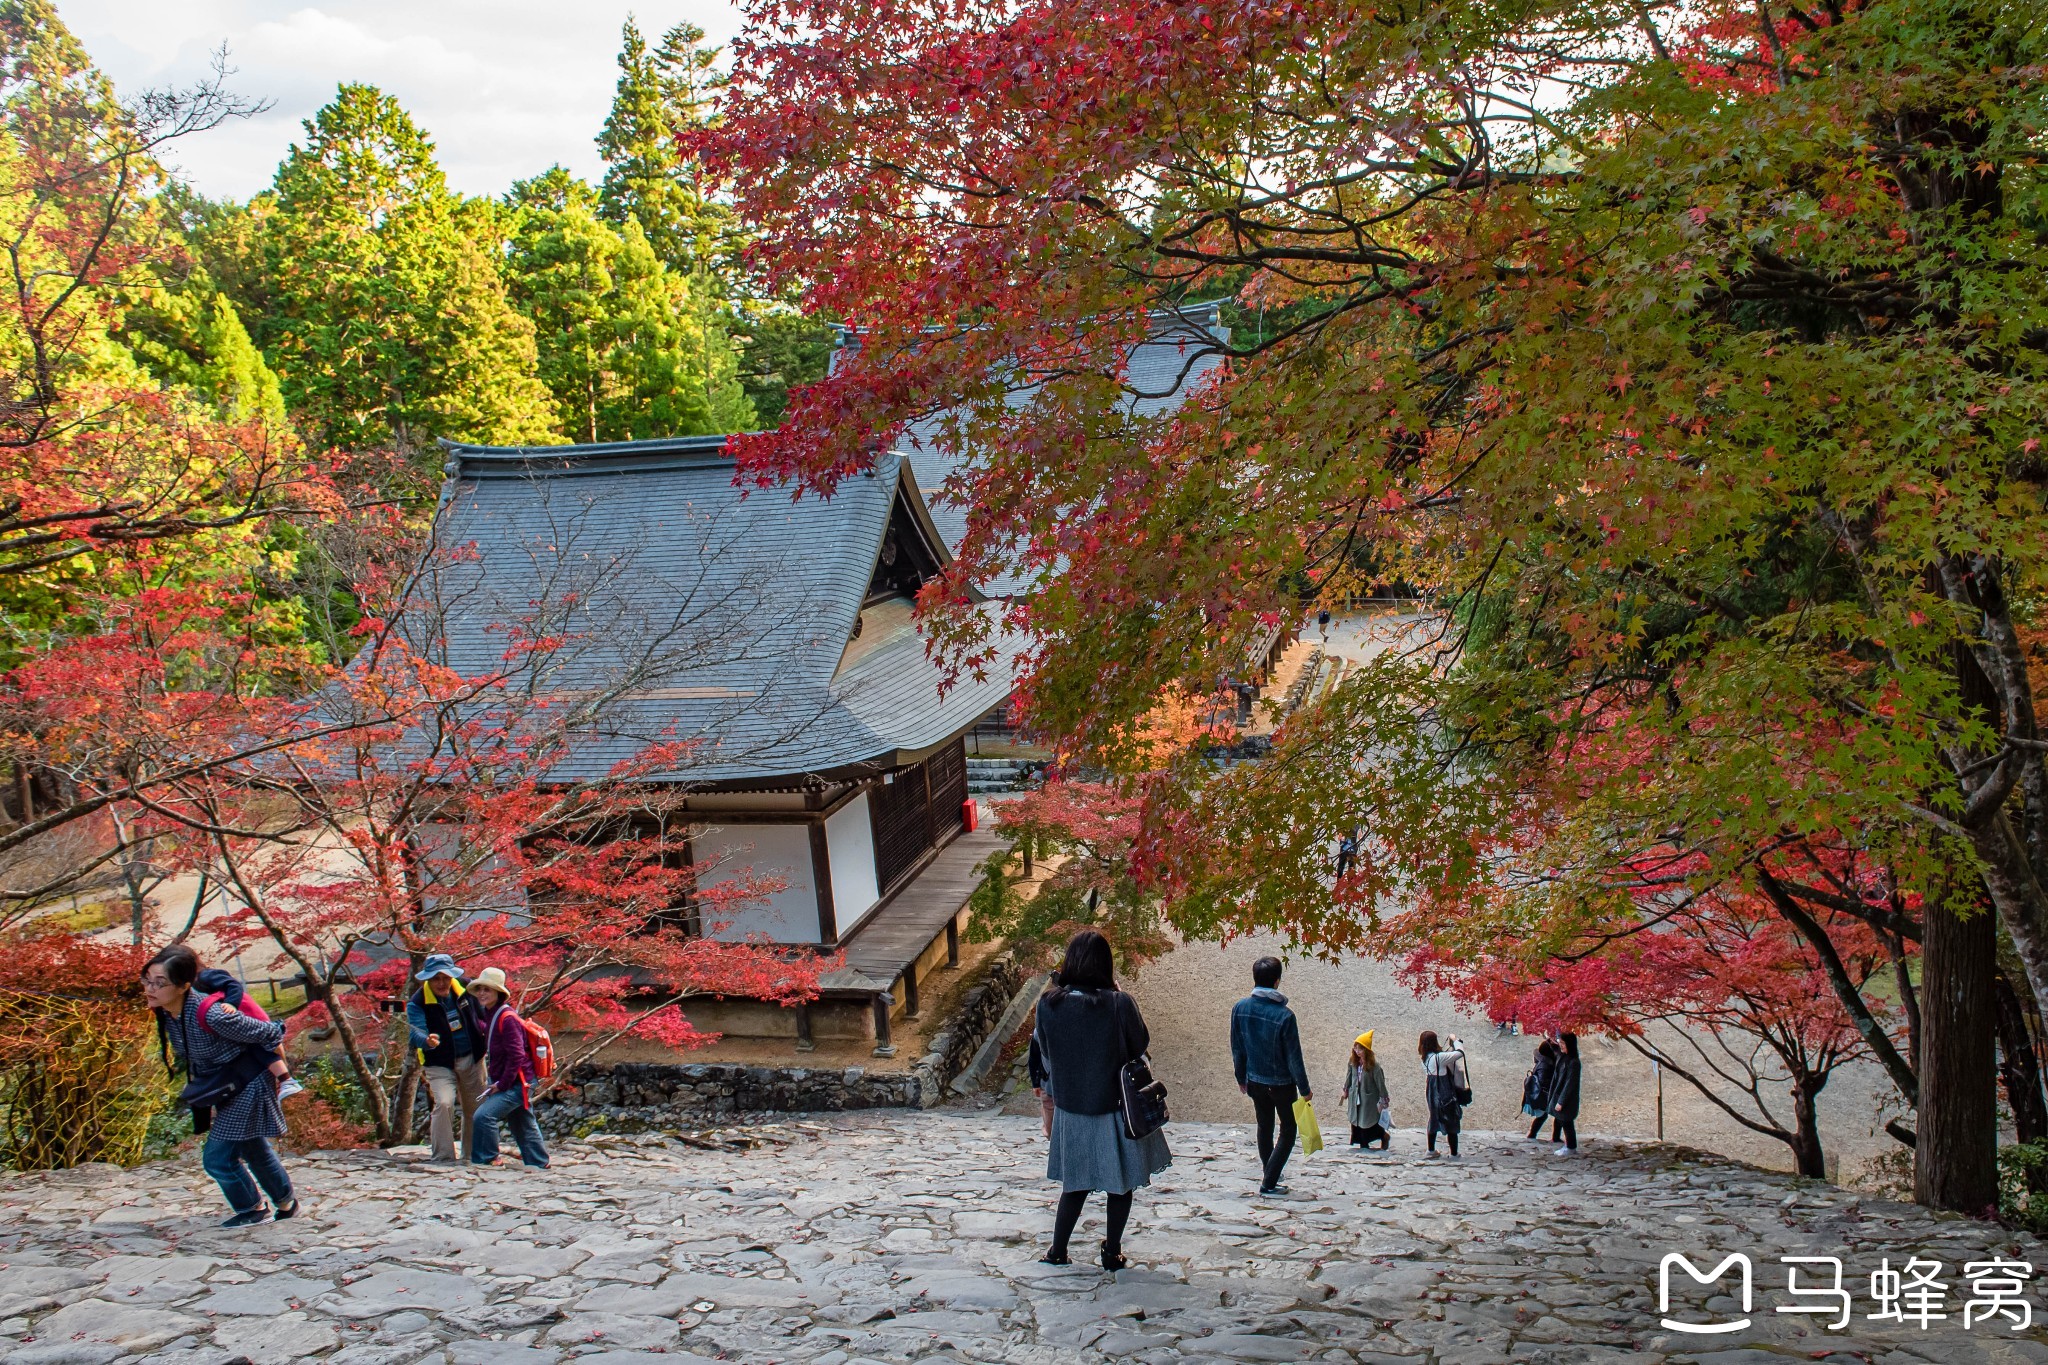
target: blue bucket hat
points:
(436, 964)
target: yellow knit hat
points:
(1365, 1038)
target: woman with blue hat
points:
(447, 1038)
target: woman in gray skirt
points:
(1087, 1029)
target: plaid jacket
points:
(255, 1112)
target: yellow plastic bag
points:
(1305, 1123)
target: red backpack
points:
(248, 1008)
(540, 1045)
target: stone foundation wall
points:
(623, 1096)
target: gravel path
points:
(906, 1236)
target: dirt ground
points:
(1186, 998)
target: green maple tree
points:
(1688, 360)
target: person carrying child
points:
(230, 1062)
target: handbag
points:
(1144, 1099)
(1386, 1116)
(1305, 1125)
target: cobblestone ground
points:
(915, 1236)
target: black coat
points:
(1564, 1089)
(1536, 1090)
(1084, 1038)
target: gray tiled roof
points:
(1183, 350)
(711, 613)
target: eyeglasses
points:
(157, 981)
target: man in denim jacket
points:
(1265, 1052)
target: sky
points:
(504, 87)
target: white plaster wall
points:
(850, 843)
(779, 851)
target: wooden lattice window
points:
(946, 774)
(903, 827)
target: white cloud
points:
(504, 87)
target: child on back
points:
(214, 981)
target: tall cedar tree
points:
(647, 177)
(1690, 357)
(388, 319)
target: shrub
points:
(2023, 1186)
(78, 1081)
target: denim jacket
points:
(1265, 1042)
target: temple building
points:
(772, 639)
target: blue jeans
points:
(505, 1106)
(230, 1164)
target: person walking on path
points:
(508, 1067)
(227, 1043)
(1536, 1089)
(447, 1037)
(1365, 1095)
(1086, 1030)
(1265, 1052)
(1564, 1093)
(1449, 1089)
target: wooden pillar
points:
(953, 941)
(804, 1041)
(884, 1046)
(910, 991)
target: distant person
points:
(1087, 1029)
(1448, 1087)
(510, 1075)
(1564, 1093)
(227, 1057)
(1265, 1052)
(1347, 854)
(447, 1038)
(1366, 1100)
(1536, 1087)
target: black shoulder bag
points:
(1144, 1095)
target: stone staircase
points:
(994, 776)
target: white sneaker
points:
(1564, 1151)
(290, 1088)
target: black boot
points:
(1112, 1258)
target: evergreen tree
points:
(647, 178)
(193, 337)
(628, 349)
(780, 351)
(390, 319)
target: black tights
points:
(1069, 1213)
(1535, 1127)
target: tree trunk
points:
(1808, 1156)
(1955, 1159)
(2018, 1067)
(2022, 902)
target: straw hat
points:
(491, 978)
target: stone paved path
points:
(901, 1236)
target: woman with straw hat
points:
(1365, 1096)
(509, 1072)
